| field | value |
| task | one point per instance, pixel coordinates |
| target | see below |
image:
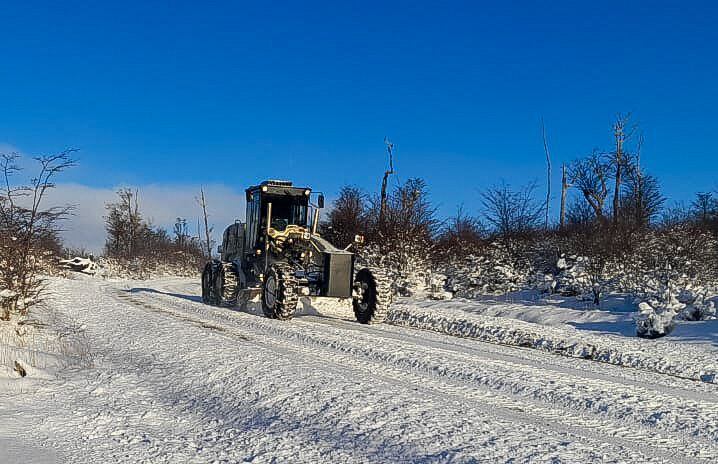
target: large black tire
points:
(373, 296)
(209, 295)
(227, 284)
(279, 292)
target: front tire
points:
(279, 293)
(373, 296)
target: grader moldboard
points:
(279, 254)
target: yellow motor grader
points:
(278, 252)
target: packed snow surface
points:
(678, 359)
(174, 380)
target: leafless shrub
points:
(409, 217)
(590, 176)
(347, 217)
(642, 200)
(511, 213)
(461, 235)
(28, 230)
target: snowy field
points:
(172, 381)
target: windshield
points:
(286, 212)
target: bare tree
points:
(207, 231)
(124, 225)
(564, 191)
(181, 233)
(590, 175)
(27, 231)
(385, 180)
(548, 171)
(579, 212)
(511, 212)
(409, 212)
(138, 246)
(347, 217)
(620, 159)
(641, 200)
(704, 207)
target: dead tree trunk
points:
(385, 180)
(133, 212)
(641, 219)
(619, 134)
(548, 172)
(208, 241)
(564, 190)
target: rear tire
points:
(373, 296)
(227, 284)
(279, 293)
(208, 284)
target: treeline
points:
(613, 219)
(133, 241)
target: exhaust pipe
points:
(315, 221)
(266, 238)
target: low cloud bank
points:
(160, 204)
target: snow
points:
(78, 264)
(675, 359)
(174, 380)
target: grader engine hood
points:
(338, 268)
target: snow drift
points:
(667, 358)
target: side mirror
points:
(320, 201)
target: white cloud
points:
(161, 204)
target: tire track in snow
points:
(509, 404)
(486, 404)
(656, 382)
(660, 382)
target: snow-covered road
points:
(178, 381)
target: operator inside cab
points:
(285, 213)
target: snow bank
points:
(137, 269)
(142, 269)
(84, 265)
(667, 358)
(39, 348)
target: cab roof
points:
(279, 188)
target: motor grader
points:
(279, 253)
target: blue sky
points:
(228, 93)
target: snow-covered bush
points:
(572, 278)
(543, 282)
(654, 319)
(496, 271)
(84, 265)
(143, 268)
(700, 304)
